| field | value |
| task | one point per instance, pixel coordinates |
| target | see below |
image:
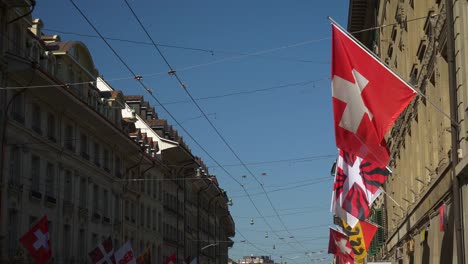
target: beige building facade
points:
(422, 42)
(98, 163)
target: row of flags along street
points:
(367, 99)
(36, 241)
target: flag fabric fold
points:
(194, 261)
(357, 185)
(172, 259)
(37, 241)
(145, 257)
(103, 253)
(340, 246)
(360, 238)
(367, 98)
(125, 255)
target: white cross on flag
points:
(357, 185)
(339, 246)
(103, 253)
(37, 242)
(367, 99)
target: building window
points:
(116, 208)
(66, 244)
(142, 215)
(106, 160)
(50, 65)
(16, 41)
(154, 220)
(95, 198)
(35, 173)
(50, 180)
(15, 165)
(127, 210)
(12, 232)
(69, 138)
(35, 53)
(81, 245)
(84, 146)
(32, 220)
(148, 217)
(155, 189)
(17, 108)
(142, 186)
(159, 222)
(105, 201)
(133, 214)
(51, 127)
(96, 154)
(94, 239)
(68, 186)
(118, 166)
(83, 192)
(36, 119)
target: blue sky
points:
(283, 122)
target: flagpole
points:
(416, 90)
(391, 198)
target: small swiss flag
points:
(37, 242)
(340, 246)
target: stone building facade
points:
(424, 211)
(98, 163)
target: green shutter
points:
(378, 217)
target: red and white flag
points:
(357, 185)
(339, 246)
(37, 242)
(103, 253)
(367, 99)
(172, 259)
(125, 254)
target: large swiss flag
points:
(367, 99)
(37, 242)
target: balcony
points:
(35, 195)
(50, 200)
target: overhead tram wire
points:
(300, 84)
(232, 58)
(184, 86)
(212, 52)
(169, 113)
